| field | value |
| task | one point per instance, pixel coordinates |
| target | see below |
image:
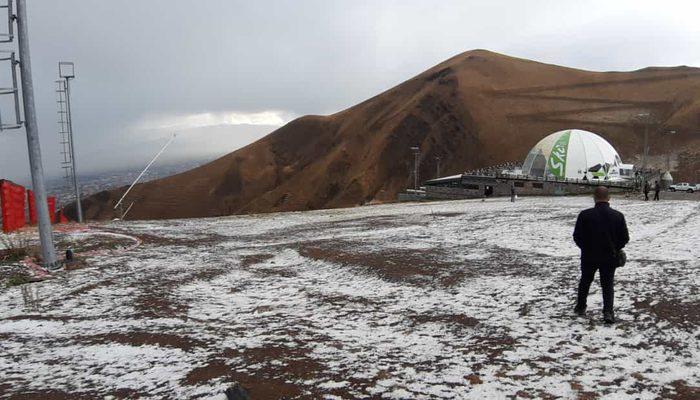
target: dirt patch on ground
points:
(143, 338)
(251, 263)
(158, 305)
(492, 346)
(297, 362)
(273, 272)
(447, 214)
(681, 391)
(266, 386)
(87, 288)
(582, 394)
(156, 240)
(378, 222)
(76, 263)
(40, 317)
(359, 224)
(276, 370)
(248, 260)
(341, 300)
(213, 369)
(156, 300)
(457, 320)
(61, 395)
(93, 242)
(402, 265)
(208, 274)
(52, 394)
(680, 314)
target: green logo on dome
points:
(557, 159)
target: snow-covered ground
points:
(462, 299)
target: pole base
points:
(56, 266)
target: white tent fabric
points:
(573, 153)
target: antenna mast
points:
(143, 172)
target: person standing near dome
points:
(647, 188)
(600, 233)
(657, 189)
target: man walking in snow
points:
(657, 189)
(647, 188)
(601, 233)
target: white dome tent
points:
(575, 154)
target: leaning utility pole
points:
(37, 169)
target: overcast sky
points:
(223, 73)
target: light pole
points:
(646, 119)
(37, 169)
(66, 70)
(437, 172)
(416, 161)
(668, 134)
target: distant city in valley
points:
(97, 182)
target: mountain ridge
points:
(472, 110)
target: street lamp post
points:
(668, 134)
(416, 161)
(646, 119)
(35, 165)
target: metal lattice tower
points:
(15, 122)
(8, 56)
(65, 135)
(66, 71)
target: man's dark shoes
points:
(608, 317)
(580, 311)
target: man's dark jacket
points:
(597, 230)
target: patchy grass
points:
(13, 248)
(17, 279)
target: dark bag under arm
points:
(619, 255)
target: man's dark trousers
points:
(600, 232)
(607, 277)
(656, 195)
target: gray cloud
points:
(142, 63)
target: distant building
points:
(567, 162)
(575, 154)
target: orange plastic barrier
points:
(50, 200)
(12, 201)
(62, 219)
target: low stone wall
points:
(412, 197)
(478, 186)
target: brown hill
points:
(476, 109)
